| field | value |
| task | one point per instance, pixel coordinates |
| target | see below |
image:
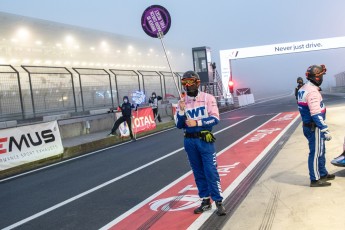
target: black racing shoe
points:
(328, 177)
(205, 205)
(319, 183)
(220, 208)
(133, 139)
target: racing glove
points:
(207, 136)
(326, 135)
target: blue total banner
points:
(155, 20)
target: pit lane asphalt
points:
(30, 194)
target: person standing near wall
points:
(153, 100)
(126, 109)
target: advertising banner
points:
(282, 48)
(142, 121)
(30, 143)
(275, 49)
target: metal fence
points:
(11, 105)
(47, 90)
(35, 91)
(125, 82)
(94, 89)
(169, 84)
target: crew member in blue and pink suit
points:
(197, 113)
(313, 113)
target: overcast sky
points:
(221, 25)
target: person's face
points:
(191, 88)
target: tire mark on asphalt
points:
(270, 212)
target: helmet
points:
(300, 80)
(315, 74)
(154, 94)
(125, 97)
(190, 74)
(191, 82)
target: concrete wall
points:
(99, 120)
(83, 125)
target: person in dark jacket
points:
(300, 83)
(126, 109)
(154, 104)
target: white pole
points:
(136, 128)
(160, 35)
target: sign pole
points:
(136, 128)
(160, 36)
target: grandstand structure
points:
(30, 41)
(51, 68)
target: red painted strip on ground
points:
(173, 209)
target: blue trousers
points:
(317, 150)
(202, 159)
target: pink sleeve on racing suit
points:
(314, 100)
(212, 107)
(311, 106)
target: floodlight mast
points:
(160, 36)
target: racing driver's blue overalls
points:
(201, 154)
(313, 113)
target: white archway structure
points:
(275, 49)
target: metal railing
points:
(94, 89)
(51, 89)
(32, 92)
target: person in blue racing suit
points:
(313, 113)
(300, 83)
(197, 113)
